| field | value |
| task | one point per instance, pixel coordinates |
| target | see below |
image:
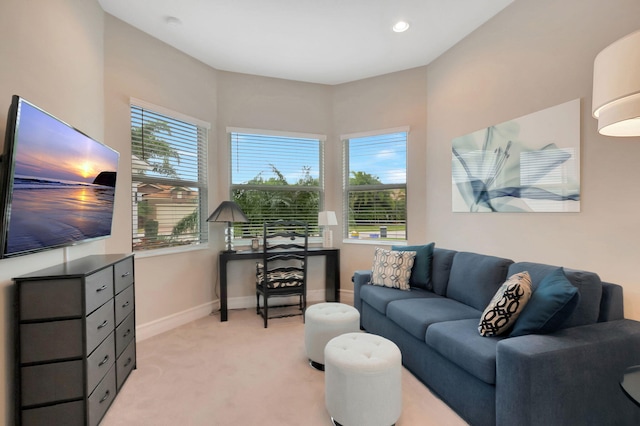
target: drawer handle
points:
(105, 397)
(103, 288)
(126, 333)
(126, 304)
(103, 325)
(126, 274)
(104, 361)
(126, 364)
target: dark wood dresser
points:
(74, 339)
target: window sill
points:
(245, 243)
(375, 241)
(141, 254)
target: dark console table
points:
(332, 272)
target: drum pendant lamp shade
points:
(616, 87)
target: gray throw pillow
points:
(421, 271)
(392, 268)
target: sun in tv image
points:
(63, 185)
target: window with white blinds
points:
(168, 178)
(375, 182)
(275, 176)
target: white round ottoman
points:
(363, 380)
(323, 322)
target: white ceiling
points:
(319, 41)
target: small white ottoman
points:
(323, 322)
(363, 380)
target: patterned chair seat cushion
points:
(279, 278)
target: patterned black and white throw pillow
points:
(505, 307)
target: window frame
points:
(314, 235)
(201, 183)
(346, 188)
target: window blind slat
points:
(275, 177)
(169, 180)
(375, 171)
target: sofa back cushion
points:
(441, 268)
(475, 278)
(587, 283)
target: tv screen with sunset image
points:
(61, 183)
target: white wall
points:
(531, 56)
(69, 58)
(51, 53)
(140, 66)
(377, 103)
(264, 103)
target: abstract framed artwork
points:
(528, 164)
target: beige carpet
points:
(238, 373)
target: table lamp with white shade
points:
(326, 219)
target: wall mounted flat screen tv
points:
(58, 184)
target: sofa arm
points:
(359, 279)
(568, 377)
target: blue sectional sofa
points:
(568, 377)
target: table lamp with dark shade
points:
(229, 212)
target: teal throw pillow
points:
(421, 271)
(551, 304)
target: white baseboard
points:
(250, 301)
(153, 328)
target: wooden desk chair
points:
(283, 270)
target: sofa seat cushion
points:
(379, 297)
(588, 284)
(460, 343)
(416, 315)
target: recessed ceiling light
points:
(401, 26)
(172, 21)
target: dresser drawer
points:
(99, 325)
(126, 362)
(100, 361)
(71, 412)
(124, 304)
(47, 383)
(123, 275)
(49, 341)
(125, 333)
(45, 299)
(102, 397)
(98, 288)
